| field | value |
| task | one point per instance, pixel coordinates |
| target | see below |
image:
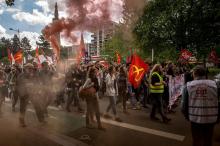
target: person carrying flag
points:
(156, 93)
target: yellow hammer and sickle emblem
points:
(138, 71)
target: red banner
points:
(185, 54)
(213, 56)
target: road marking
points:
(53, 108)
(145, 130)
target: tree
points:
(3, 51)
(44, 46)
(114, 44)
(9, 2)
(25, 44)
(7, 42)
(16, 44)
(180, 24)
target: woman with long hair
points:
(92, 103)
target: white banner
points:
(175, 88)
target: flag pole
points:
(152, 52)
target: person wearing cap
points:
(201, 106)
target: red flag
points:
(137, 71)
(213, 56)
(18, 57)
(81, 50)
(118, 58)
(9, 55)
(185, 54)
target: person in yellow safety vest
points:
(156, 93)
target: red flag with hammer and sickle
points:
(137, 71)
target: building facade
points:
(100, 36)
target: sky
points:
(31, 16)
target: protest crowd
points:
(135, 85)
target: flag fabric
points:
(81, 50)
(137, 70)
(213, 56)
(29, 57)
(18, 57)
(118, 56)
(41, 59)
(185, 54)
(49, 59)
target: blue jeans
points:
(112, 104)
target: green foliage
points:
(10, 2)
(3, 51)
(16, 44)
(113, 45)
(214, 71)
(171, 24)
(44, 46)
(4, 60)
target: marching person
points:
(92, 87)
(27, 92)
(201, 106)
(111, 92)
(156, 93)
(46, 75)
(122, 88)
(3, 88)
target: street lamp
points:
(16, 30)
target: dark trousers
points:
(23, 106)
(157, 105)
(202, 134)
(137, 93)
(112, 105)
(122, 97)
(72, 95)
(146, 96)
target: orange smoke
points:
(82, 15)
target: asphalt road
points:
(68, 129)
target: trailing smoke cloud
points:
(82, 15)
